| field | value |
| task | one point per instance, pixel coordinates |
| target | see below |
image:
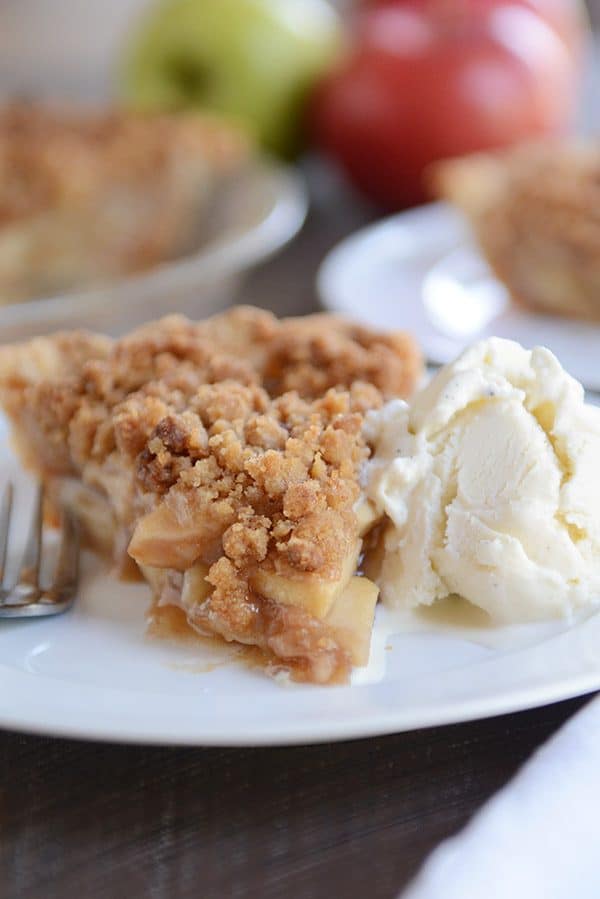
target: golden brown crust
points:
(208, 455)
(534, 211)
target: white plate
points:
(93, 673)
(420, 270)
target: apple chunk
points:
(164, 539)
(195, 586)
(310, 592)
(156, 577)
(351, 618)
(180, 531)
(366, 515)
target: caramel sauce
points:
(128, 571)
(170, 622)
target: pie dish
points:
(87, 197)
(534, 213)
(224, 459)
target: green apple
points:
(253, 60)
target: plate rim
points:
(527, 698)
(326, 277)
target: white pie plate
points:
(255, 215)
(420, 270)
(94, 673)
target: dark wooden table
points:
(341, 820)
(318, 822)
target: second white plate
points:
(420, 270)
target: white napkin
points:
(539, 837)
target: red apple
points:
(429, 79)
(567, 17)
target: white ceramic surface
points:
(94, 673)
(419, 270)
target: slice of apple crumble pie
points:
(534, 213)
(224, 458)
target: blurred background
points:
(380, 87)
(76, 42)
(362, 95)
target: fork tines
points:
(5, 512)
(26, 596)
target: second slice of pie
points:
(534, 213)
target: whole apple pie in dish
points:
(535, 214)
(86, 197)
(224, 458)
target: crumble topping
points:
(322, 351)
(73, 384)
(52, 156)
(234, 443)
(297, 499)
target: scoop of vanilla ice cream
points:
(491, 482)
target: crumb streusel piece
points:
(534, 212)
(226, 456)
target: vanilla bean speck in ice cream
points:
(490, 481)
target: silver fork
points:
(26, 597)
